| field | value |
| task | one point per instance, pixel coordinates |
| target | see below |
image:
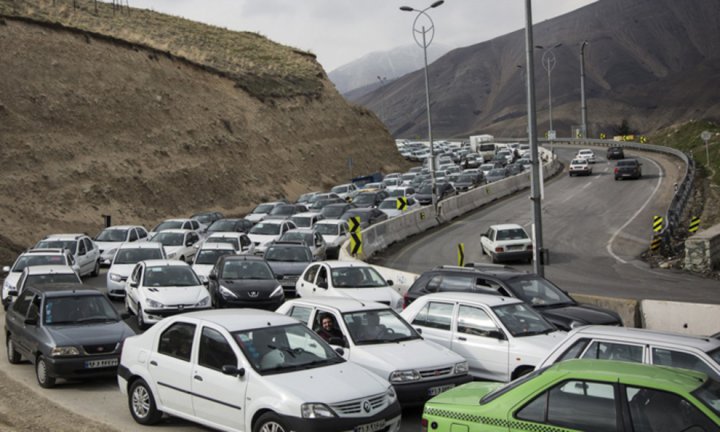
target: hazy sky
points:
(340, 31)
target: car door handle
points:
(198, 377)
(153, 363)
(462, 338)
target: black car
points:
(368, 216)
(208, 217)
(515, 168)
(289, 260)
(284, 211)
(628, 168)
(443, 190)
(334, 211)
(66, 331)
(468, 181)
(369, 199)
(230, 225)
(615, 153)
(553, 303)
(245, 281)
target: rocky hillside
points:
(97, 117)
(652, 62)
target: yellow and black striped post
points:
(694, 224)
(461, 254)
(354, 224)
(356, 243)
(656, 242)
(657, 224)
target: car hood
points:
(89, 334)
(255, 217)
(12, 278)
(106, 246)
(243, 285)
(382, 294)
(202, 269)
(288, 267)
(466, 394)
(176, 295)
(262, 239)
(537, 346)
(391, 212)
(585, 314)
(416, 354)
(332, 240)
(122, 269)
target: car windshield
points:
(112, 235)
(51, 278)
(168, 225)
(283, 210)
(169, 239)
(264, 208)
(170, 276)
(82, 309)
(709, 394)
(520, 320)
(302, 221)
(282, 349)
(306, 238)
(210, 256)
(388, 205)
(204, 218)
(241, 269)
(339, 189)
(511, 234)
(319, 204)
(134, 256)
(222, 225)
(288, 254)
(502, 389)
(364, 199)
(327, 229)
(378, 326)
(425, 189)
(57, 244)
(466, 179)
(538, 292)
(579, 162)
(497, 172)
(265, 229)
(356, 277)
(227, 240)
(36, 260)
(397, 193)
(333, 211)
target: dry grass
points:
(263, 68)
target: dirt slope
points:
(90, 127)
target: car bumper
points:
(418, 393)
(514, 255)
(78, 367)
(155, 315)
(116, 289)
(266, 304)
(580, 171)
(391, 417)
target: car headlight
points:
(277, 292)
(171, 255)
(227, 293)
(574, 324)
(203, 279)
(115, 277)
(391, 395)
(316, 410)
(155, 305)
(404, 376)
(64, 351)
(203, 303)
(7, 285)
(461, 368)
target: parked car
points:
(378, 339)
(310, 238)
(207, 218)
(514, 168)
(628, 168)
(124, 261)
(442, 190)
(586, 154)
(39, 275)
(369, 199)
(507, 242)
(251, 371)
(467, 181)
(502, 338)
(239, 241)
(615, 153)
(285, 211)
(262, 210)
(579, 167)
(389, 206)
(496, 174)
(553, 303)
(347, 279)
(345, 191)
(68, 331)
(178, 243)
(266, 232)
(208, 255)
(306, 219)
(230, 225)
(583, 395)
(29, 258)
(701, 354)
(486, 168)
(335, 211)
(368, 216)
(335, 232)
(244, 281)
(304, 198)
(110, 238)
(160, 288)
(288, 260)
(186, 224)
(84, 251)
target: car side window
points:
(310, 273)
(22, 303)
(176, 341)
(683, 360)
(34, 309)
(658, 411)
(574, 351)
(133, 235)
(88, 244)
(474, 321)
(435, 315)
(195, 224)
(244, 241)
(322, 277)
(142, 233)
(301, 313)
(70, 258)
(81, 248)
(215, 351)
(614, 351)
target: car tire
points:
(96, 270)
(140, 320)
(42, 373)
(182, 258)
(570, 174)
(616, 178)
(269, 422)
(13, 356)
(142, 404)
(494, 258)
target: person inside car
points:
(329, 330)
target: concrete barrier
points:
(679, 317)
(702, 251)
(628, 309)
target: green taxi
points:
(582, 395)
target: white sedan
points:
(586, 154)
(507, 242)
(580, 166)
(178, 243)
(335, 232)
(250, 370)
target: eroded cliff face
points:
(90, 127)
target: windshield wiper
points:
(96, 319)
(404, 338)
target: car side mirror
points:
(31, 321)
(212, 276)
(196, 246)
(340, 351)
(322, 284)
(390, 282)
(6, 269)
(496, 334)
(233, 371)
(133, 284)
(418, 329)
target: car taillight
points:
(530, 247)
(616, 170)
(423, 425)
(406, 300)
(499, 249)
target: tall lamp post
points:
(382, 100)
(549, 62)
(583, 105)
(427, 30)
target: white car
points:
(401, 191)
(486, 168)
(355, 280)
(110, 238)
(507, 242)
(84, 251)
(586, 154)
(266, 232)
(345, 191)
(639, 346)
(501, 338)
(579, 166)
(389, 206)
(306, 219)
(250, 370)
(262, 210)
(208, 255)
(239, 241)
(378, 339)
(310, 238)
(187, 224)
(178, 243)
(33, 257)
(124, 261)
(44, 275)
(335, 232)
(159, 288)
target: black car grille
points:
(100, 349)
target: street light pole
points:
(424, 45)
(538, 265)
(549, 62)
(583, 105)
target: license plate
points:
(434, 391)
(91, 364)
(370, 427)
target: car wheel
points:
(96, 270)
(142, 404)
(570, 174)
(616, 178)
(182, 258)
(12, 355)
(269, 422)
(140, 320)
(42, 373)
(494, 258)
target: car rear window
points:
(627, 163)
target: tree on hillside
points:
(624, 129)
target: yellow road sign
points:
(461, 254)
(356, 243)
(655, 244)
(658, 223)
(401, 203)
(694, 224)
(354, 224)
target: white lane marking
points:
(606, 169)
(632, 218)
(587, 184)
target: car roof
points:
(64, 236)
(49, 269)
(305, 214)
(165, 262)
(339, 304)
(176, 231)
(332, 221)
(177, 220)
(648, 336)
(61, 289)
(217, 234)
(242, 319)
(121, 227)
(343, 264)
(242, 258)
(486, 299)
(506, 226)
(141, 245)
(272, 221)
(301, 230)
(221, 246)
(45, 251)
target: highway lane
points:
(595, 228)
